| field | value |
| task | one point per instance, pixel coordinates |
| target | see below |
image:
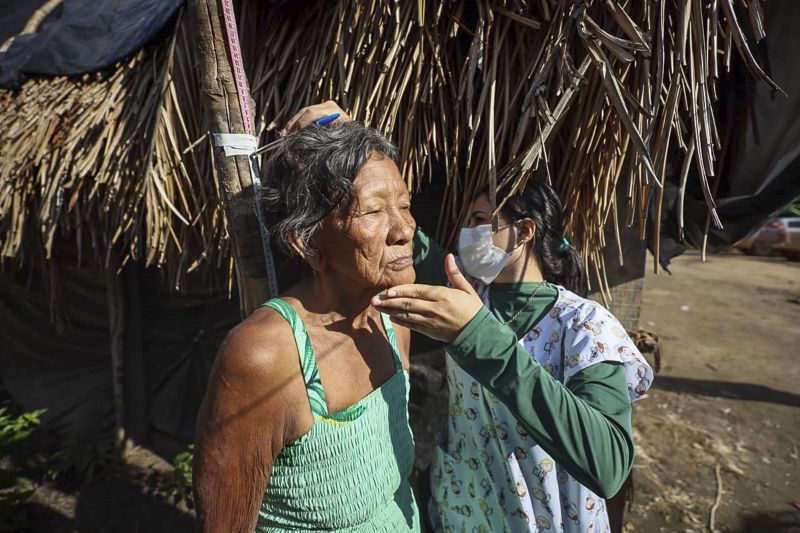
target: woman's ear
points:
(308, 254)
(527, 231)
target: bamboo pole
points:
(232, 173)
(116, 325)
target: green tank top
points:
(350, 472)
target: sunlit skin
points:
(257, 401)
(367, 244)
(442, 312)
(364, 248)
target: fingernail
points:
(282, 133)
(391, 293)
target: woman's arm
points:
(244, 423)
(585, 425)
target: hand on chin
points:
(393, 277)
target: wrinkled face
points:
(368, 243)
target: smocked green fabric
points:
(350, 472)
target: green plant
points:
(13, 513)
(17, 428)
(86, 459)
(182, 477)
(15, 490)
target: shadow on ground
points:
(782, 522)
(727, 389)
(118, 504)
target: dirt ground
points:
(728, 395)
(130, 498)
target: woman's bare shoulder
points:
(260, 350)
(251, 405)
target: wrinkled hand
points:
(309, 114)
(438, 312)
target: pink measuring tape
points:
(243, 94)
(242, 89)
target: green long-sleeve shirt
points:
(584, 424)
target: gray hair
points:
(311, 173)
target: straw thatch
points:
(587, 94)
(113, 160)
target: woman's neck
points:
(331, 299)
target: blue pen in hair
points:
(327, 119)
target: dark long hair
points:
(560, 263)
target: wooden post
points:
(232, 173)
(135, 391)
(116, 326)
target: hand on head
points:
(438, 312)
(309, 114)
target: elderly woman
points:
(305, 422)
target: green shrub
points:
(86, 460)
(15, 490)
(182, 477)
(15, 429)
(182, 474)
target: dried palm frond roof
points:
(590, 95)
(115, 161)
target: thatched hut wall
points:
(589, 95)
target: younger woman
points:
(541, 380)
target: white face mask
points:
(478, 254)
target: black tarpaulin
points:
(763, 174)
(77, 36)
(55, 352)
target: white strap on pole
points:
(234, 144)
